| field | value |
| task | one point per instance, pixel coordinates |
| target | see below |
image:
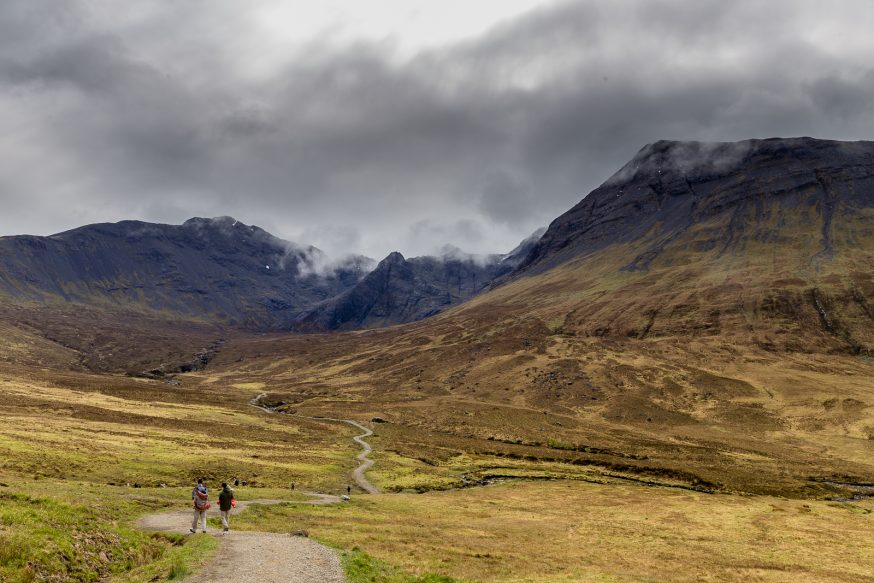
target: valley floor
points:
(576, 531)
(516, 453)
(84, 455)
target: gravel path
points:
(261, 557)
(358, 474)
(258, 557)
(366, 462)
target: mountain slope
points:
(770, 240)
(734, 194)
(215, 269)
(224, 272)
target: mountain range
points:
(404, 290)
(691, 343)
(711, 231)
(223, 271)
(705, 316)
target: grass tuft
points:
(179, 569)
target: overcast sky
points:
(396, 125)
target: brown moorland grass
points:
(747, 419)
(741, 373)
(576, 531)
(83, 455)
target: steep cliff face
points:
(769, 242)
(218, 269)
(724, 196)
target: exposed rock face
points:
(753, 242)
(218, 269)
(403, 290)
(741, 191)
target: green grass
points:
(360, 567)
(85, 538)
(178, 570)
(396, 473)
(70, 446)
(177, 562)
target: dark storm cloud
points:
(846, 98)
(356, 144)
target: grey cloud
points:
(335, 239)
(843, 97)
(505, 198)
(94, 65)
(353, 147)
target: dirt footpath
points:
(258, 557)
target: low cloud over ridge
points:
(354, 145)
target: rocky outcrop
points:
(403, 290)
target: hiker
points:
(348, 490)
(201, 504)
(226, 502)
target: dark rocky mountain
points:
(762, 242)
(774, 211)
(403, 290)
(726, 194)
(223, 271)
(213, 269)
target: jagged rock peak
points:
(393, 258)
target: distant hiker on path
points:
(226, 502)
(201, 504)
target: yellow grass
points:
(573, 531)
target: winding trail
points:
(358, 474)
(366, 462)
(258, 557)
(263, 557)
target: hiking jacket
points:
(225, 498)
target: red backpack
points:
(201, 500)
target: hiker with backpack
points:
(201, 504)
(226, 502)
